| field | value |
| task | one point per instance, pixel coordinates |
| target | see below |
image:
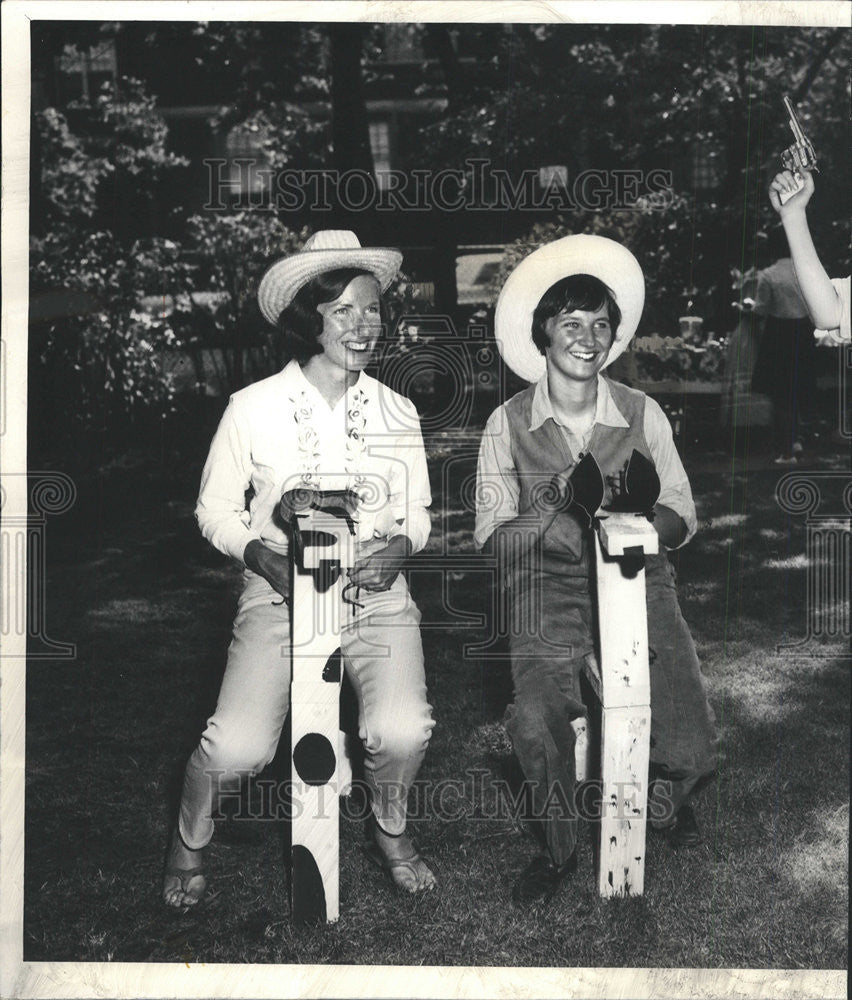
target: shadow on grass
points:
(149, 606)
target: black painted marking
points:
(641, 482)
(332, 671)
(586, 488)
(307, 893)
(314, 759)
(295, 502)
(316, 539)
(326, 574)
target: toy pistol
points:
(798, 157)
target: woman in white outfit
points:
(321, 423)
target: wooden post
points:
(623, 686)
(322, 548)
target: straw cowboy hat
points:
(603, 258)
(326, 250)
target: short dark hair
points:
(300, 324)
(577, 291)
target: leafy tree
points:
(615, 97)
(71, 175)
(232, 251)
(100, 361)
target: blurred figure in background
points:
(785, 364)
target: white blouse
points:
(280, 434)
(841, 334)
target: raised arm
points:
(821, 298)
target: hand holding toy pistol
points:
(798, 157)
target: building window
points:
(403, 43)
(706, 166)
(248, 165)
(380, 145)
(81, 74)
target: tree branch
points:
(813, 70)
(440, 42)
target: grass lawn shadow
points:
(149, 606)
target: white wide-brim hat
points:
(326, 250)
(603, 258)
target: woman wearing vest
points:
(565, 314)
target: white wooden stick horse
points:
(620, 678)
(322, 548)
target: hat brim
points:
(603, 258)
(281, 282)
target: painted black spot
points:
(314, 759)
(307, 893)
(331, 672)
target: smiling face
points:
(351, 324)
(579, 342)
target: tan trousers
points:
(383, 657)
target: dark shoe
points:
(684, 830)
(540, 879)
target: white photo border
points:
(83, 979)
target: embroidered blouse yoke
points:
(280, 433)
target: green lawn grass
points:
(149, 605)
